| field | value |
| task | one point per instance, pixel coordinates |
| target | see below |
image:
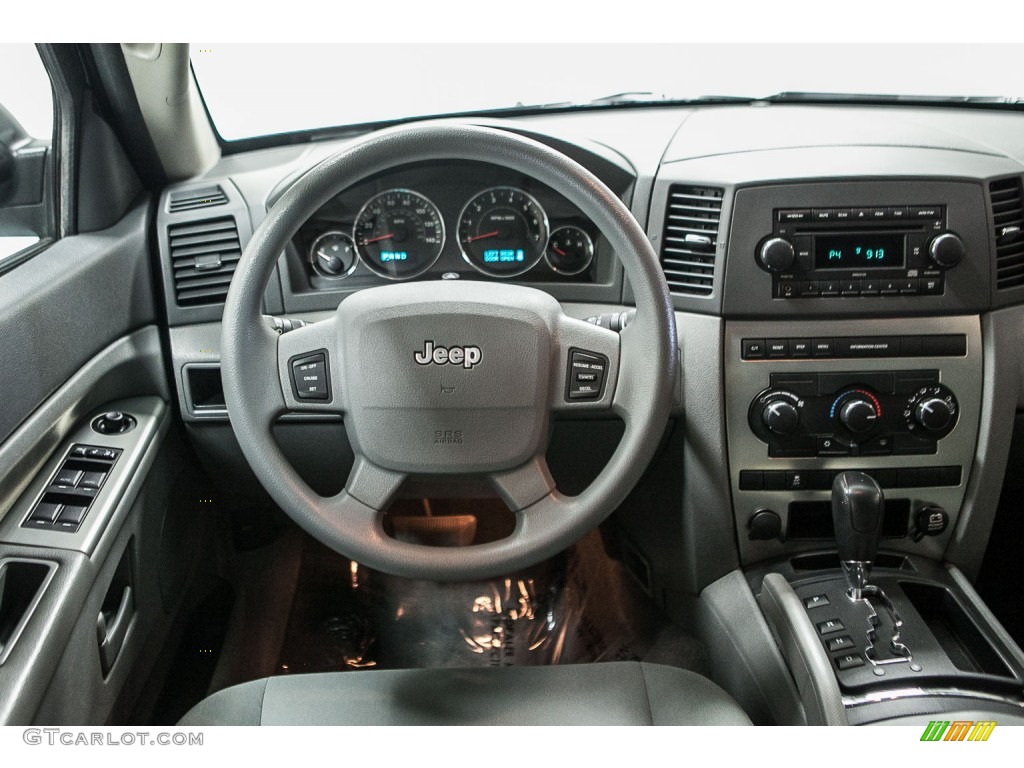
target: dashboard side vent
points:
(690, 238)
(203, 259)
(193, 199)
(1007, 196)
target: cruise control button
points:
(309, 376)
(591, 366)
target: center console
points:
(854, 373)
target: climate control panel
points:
(856, 413)
(897, 398)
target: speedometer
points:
(399, 234)
(503, 231)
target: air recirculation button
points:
(113, 423)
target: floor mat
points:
(578, 607)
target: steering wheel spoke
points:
(525, 485)
(587, 366)
(308, 368)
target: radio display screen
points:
(863, 251)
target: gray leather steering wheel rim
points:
(256, 391)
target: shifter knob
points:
(857, 509)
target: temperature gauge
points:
(570, 250)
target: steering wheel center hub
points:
(462, 372)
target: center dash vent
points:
(1007, 198)
(203, 259)
(193, 199)
(690, 239)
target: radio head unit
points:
(868, 251)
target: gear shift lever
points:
(857, 508)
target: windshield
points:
(256, 90)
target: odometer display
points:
(399, 234)
(503, 231)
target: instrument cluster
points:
(456, 220)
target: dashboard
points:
(846, 281)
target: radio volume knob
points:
(776, 254)
(781, 417)
(946, 250)
(934, 414)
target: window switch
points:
(70, 518)
(92, 480)
(67, 478)
(44, 513)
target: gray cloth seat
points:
(620, 693)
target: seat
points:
(617, 693)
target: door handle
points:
(111, 634)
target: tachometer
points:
(503, 231)
(399, 234)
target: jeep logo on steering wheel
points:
(467, 357)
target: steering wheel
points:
(452, 378)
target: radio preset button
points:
(869, 287)
(829, 287)
(849, 288)
(889, 287)
(909, 287)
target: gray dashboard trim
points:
(1002, 389)
(132, 365)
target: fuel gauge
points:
(570, 250)
(333, 255)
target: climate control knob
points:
(934, 414)
(781, 417)
(858, 415)
(776, 254)
(946, 250)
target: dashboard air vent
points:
(203, 259)
(690, 239)
(193, 199)
(1007, 196)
